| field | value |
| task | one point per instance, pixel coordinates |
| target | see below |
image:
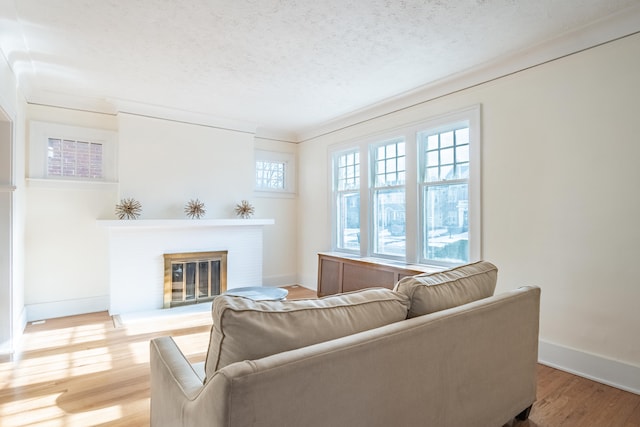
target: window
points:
(444, 194)
(419, 197)
(270, 175)
(78, 159)
(347, 200)
(275, 173)
(61, 153)
(388, 196)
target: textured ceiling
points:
(279, 65)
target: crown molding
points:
(608, 29)
(184, 116)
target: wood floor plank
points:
(85, 370)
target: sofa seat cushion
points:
(432, 292)
(244, 329)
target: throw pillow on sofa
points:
(432, 292)
(244, 329)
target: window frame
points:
(374, 189)
(413, 197)
(41, 132)
(290, 173)
(336, 198)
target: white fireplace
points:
(137, 249)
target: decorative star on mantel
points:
(195, 209)
(244, 209)
(128, 209)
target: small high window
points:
(74, 159)
(275, 173)
(270, 175)
(69, 154)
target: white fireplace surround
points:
(136, 249)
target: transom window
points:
(275, 174)
(74, 159)
(420, 202)
(71, 155)
(270, 175)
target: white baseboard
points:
(50, 310)
(597, 368)
(283, 280)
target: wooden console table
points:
(338, 272)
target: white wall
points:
(161, 163)
(281, 239)
(560, 194)
(164, 164)
(65, 268)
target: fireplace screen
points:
(190, 278)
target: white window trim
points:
(290, 173)
(409, 132)
(334, 154)
(39, 134)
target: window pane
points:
(349, 221)
(432, 174)
(432, 158)
(462, 171)
(96, 161)
(446, 139)
(432, 142)
(462, 154)
(462, 136)
(389, 228)
(446, 223)
(391, 165)
(68, 158)
(446, 156)
(82, 159)
(54, 157)
(446, 172)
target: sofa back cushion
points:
(432, 292)
(244, 329)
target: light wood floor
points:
(86, 371)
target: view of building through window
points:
(74, 159)
(445, 195)
(389, 175)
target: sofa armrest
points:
(173, 382)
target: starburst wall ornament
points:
(244, 209)
(128, 209)
(195, 209)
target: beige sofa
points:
(463, 357)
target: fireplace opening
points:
(191, 278)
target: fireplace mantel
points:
(181, 223)
(137, 248)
